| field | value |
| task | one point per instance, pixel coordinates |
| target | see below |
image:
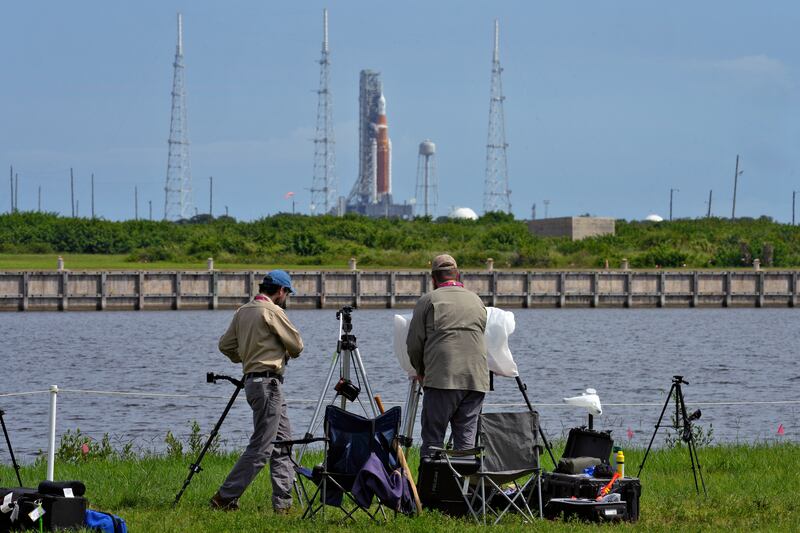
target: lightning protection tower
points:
(178, 189)
(323, 185)
(496, 195)
(427, 181)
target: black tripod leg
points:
(524, 390)
(658, 425)
(10, 449)
(195, 467)
(687, 428)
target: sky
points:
(609, 105)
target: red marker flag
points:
(781, 431)
(630, 434)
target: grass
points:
(36, 262)
(750, 488)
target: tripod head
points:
(679, 380)
(347, 341)
(345, 317)
(213, 378)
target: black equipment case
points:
(437, 487)
(589, 510)
(582, 442)
(555, 485)
(60, 512)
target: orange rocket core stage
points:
(383, 173)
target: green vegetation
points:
(328, 242)
(750, 488)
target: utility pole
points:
(11, 179)
(671, 192)
(16, 192)
(136, 202)
(710, 193)
(546, 208)
(226, 210)
(794, 196)
(92, 194)
(39, 209)
(150, 203)
(736, 175)
(72, 192)
(211, 195)
(533, 211)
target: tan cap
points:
(443, 262)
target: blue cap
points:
(279, 277)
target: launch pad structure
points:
(371, 194)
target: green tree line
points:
(326, 240)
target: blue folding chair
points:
(349, 442)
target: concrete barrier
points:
(129, 290)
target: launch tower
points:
(323, 185)
(496, 195)
(178, 189)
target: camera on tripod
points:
(347, 388)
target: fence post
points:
(494, 288)
(695, 288)
(595, 289)
(178, 290)
(628, 290)
(528, 286)
(793, 290)
(562, 283)
(728, 289)
(64, 290)
(392, 289)
(662, 291)
(358, 288)
(760, 287)
(51, 446)
(322, 290)
(140, 288)
(103, 291)
(25, 279)
(214, 293)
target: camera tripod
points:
(194, 468)
(348, 359)
(10, 449)
(683, 423)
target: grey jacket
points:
(445, 340)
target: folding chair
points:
(507, 451)
(349, 441)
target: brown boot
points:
(224, 504)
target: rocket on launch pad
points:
(383, 153)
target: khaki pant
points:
(270, 423)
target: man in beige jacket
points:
(262, 338)
(447, 349)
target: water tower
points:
(427, 189)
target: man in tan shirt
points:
(262, 339)
(447, 349)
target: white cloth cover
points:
(499, 325)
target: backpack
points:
(105, 522)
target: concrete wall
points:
(22, 291)
(576, 228)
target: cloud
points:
(760, 65)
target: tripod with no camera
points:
(682, 424)
(10, 449)
(194, 468)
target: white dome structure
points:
(652, 217)
(463, 213)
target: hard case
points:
(59, 512)
(589, 510)
(582, 442)
(555, 485)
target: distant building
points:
(576, 228)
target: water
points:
(629, 356)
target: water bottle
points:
(621, 463)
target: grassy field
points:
(122, 262)
(750, 488)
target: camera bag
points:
(438, 489)
(9, 501)
(60, 512)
